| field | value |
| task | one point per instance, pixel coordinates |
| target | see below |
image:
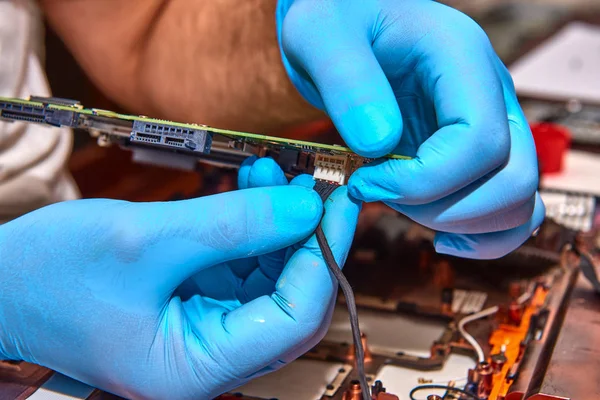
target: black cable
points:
(441, 387)
(351, 304)
(325, 188)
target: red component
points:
(551, 142)
(515, 313)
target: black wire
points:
(442, 387)
(325, 188)
(351, 304)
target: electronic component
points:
(354, 392)
(165, 135)
(34, 113)
(330, 163)
(56, 100)
(332, 168)
(573, 210)
(467, 302)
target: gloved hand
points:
(421, 79)
(179, 300)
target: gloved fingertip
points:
(366, 185)
(266, 172)
(307, 205)
(304, 180)
(244, 172)
(342, 193)
(443, 249)
(358, 188)
(453, 245)
(539, 213)
(372, 130)
(250, 160)
(278, 215)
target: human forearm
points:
(214, 62)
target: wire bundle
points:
(325, 189)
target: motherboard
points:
(182, 145)
(439, 327)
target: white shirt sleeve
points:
(32, 157)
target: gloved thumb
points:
(184, 237)
(354, 91)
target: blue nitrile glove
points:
(421, 79)
(179, 300)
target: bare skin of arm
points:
(215, 62)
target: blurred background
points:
(517, 29)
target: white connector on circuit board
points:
(332, 168)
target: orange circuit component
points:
(506, 342)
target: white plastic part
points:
(331, 168)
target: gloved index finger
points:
(244, 172)
(277, 324)
(266, 172)
(340, 62)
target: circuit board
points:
(195, 142)
(424, 315)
